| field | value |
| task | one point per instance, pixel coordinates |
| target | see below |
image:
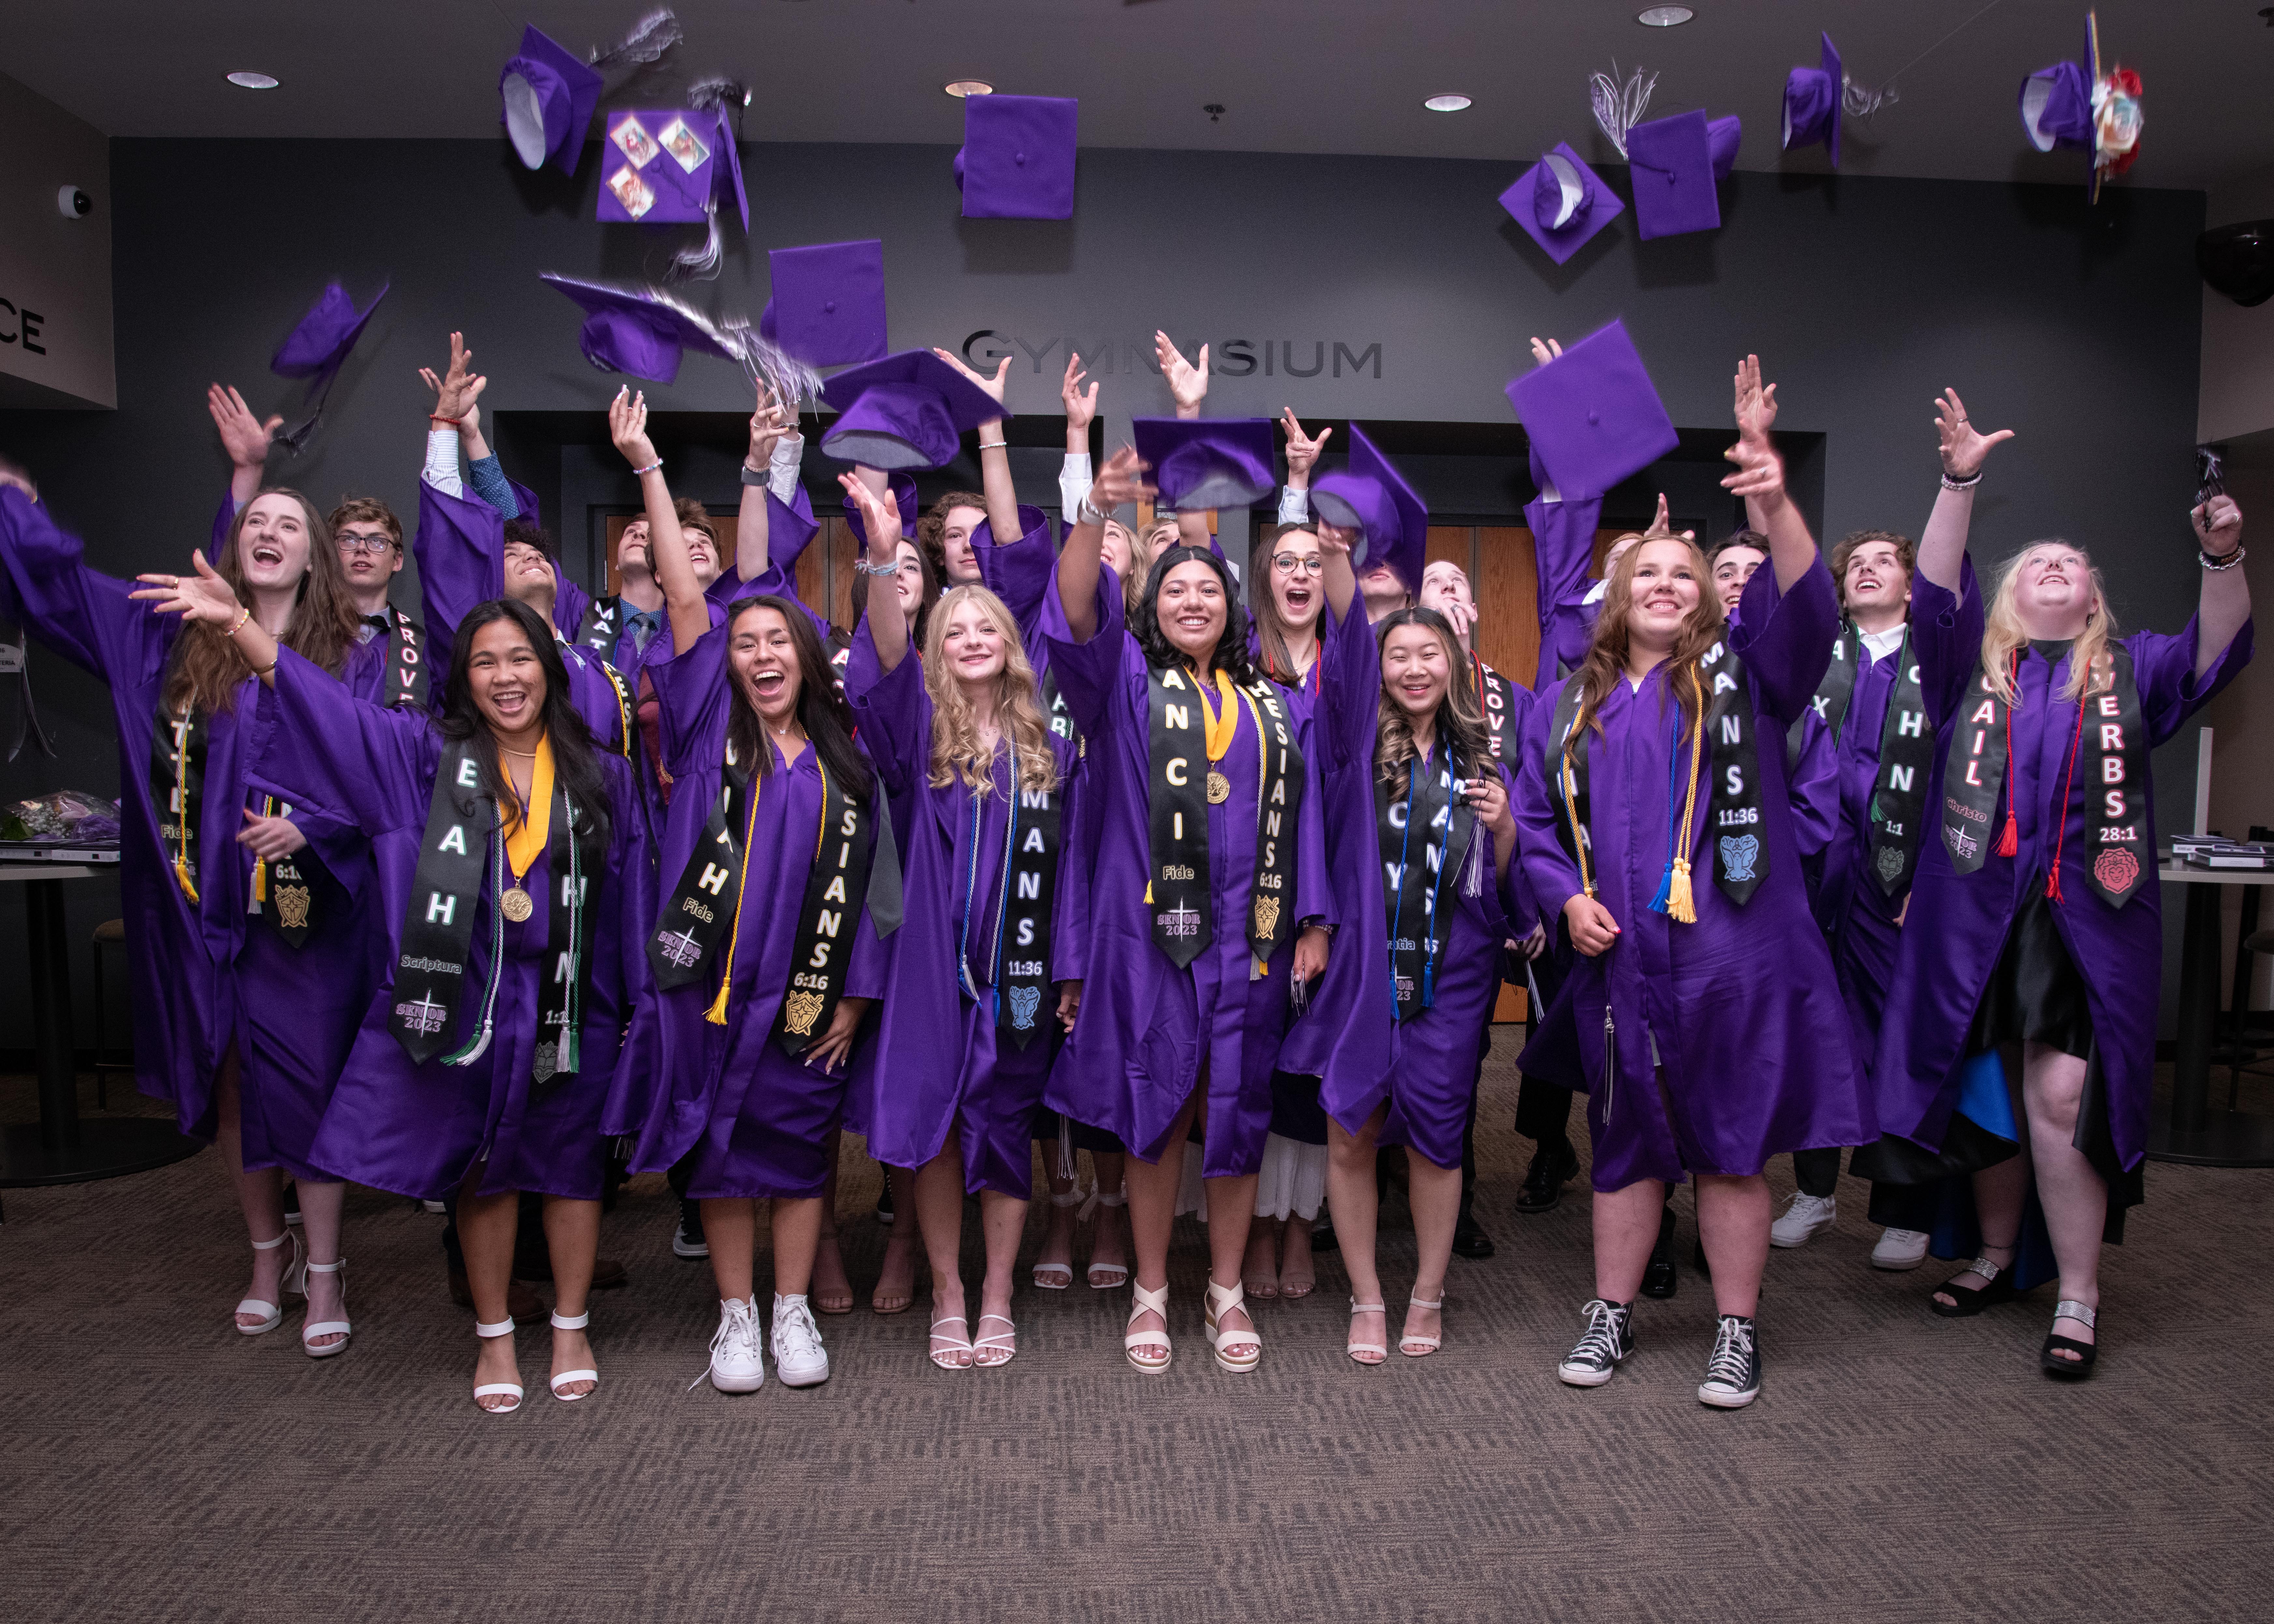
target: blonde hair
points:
(956, 751)
(1605, 660)
(2092, 667)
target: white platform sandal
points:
(1157, 1302)
(272, 1314)
(1413, 1344)
(563, 1322)
(490, 1389)
(338, 1327)
(1220, 1301)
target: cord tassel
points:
(2010, 840)
(1680, 904)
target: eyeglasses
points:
(364, 544)
(1288, 564)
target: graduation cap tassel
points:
(701, 263)
(786, 380)
(650, 37)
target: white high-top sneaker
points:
(800, 1359)
(736, 1365)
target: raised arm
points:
(205, 596)
(455, 392)
(751, 535)
(1302, 459)
(2224, 607)
(1081, 412)
(887, 616)
(244, 437)
(1760, 479)
(1942, 544)
(1187, 383)
(1120, 480)
(994, 451)
(1341, 580)
(666, 544)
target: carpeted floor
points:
(156, 1465)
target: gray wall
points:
(2077, 328)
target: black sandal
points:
(2080, 1367)
(1996, 1287)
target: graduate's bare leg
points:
(259, 1194)
(1298, 1274)
(2001, 1193)
(731, 1225)
(833, 1289)
(486, 1226)
(2069, 1187)
(572, 1236)
(1733, 1221)
(1056, 1257)
(1259, 1270)
(1435, 1194)
(1109, 1240)
(896, 1281)
(1002, 1221)
(321, 1207)
(1356, 1201)
(939, 1211)
(1153, 1188)
(1231, 1214)
(795, 1223)
(1626, 1228)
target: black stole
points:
(1566, 772)
(1178, 819)
(1029, 888)
(406, 660)
(1420, 833)
(704, 901)
(601, 625)
(1497, 694)
(289, 894)
(177, 777)
(834, 895)
(1905, 756)
(1054, 706)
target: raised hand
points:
(244, 436)
(1302, 449)
(1755, 403)
(2217, 526)
(203, 596)
(1545, 349)
(1188, 383)
(1121, 481)
(270, 838)
(880, 518)
(627, 426)
(993, 386)
(1661, 527)
(1080, 405)
(451, 390)
(768, 424)
(1458, 615)
(1964, 448)
(1759, 477)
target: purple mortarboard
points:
(827, 307)
(1592, 415)
(318, 348)
(2057, 102)
(548, 97)
(639, 330)
(1811, 103)
(1673, 175)
(1372, 496)
(1722, 136)
(909, 410)
(1201, 463)
(904, 493)
(1017, 159)
(1561, 202)
(670, 166)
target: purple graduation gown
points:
(1425, 1067)
(213, 974)
(1857, 917)
(1740, 1008)
(419, 1128)
(924, 1083)
(1562, 551)
(757, 1121)
(1957, 927)
(1148, 1030)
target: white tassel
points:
(700, 262)
(650, 37)
(1619, 107)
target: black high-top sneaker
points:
(1733, 1372)
(1608, 1339)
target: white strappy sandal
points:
(502, 1327)
(272, 1314)
(563, 1322)
(1058, 1276)
(1353, 1347)
(1004, 1342)
(1157, 1302)
(1425, 1345)
(943, 1356)
(338, 1327)
(1220, 1301)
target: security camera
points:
(73, 204)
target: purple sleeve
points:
(1946, 640)
(224, 522)
(1022, 572)
(780, 582)
(632, 876)
(1784, 638)
(1548, 873)
(1350, 687)
(460, 550)
(1519, 911)
(1562, 548)
(1070, 921)
(895, 712)
(788, 530)
(1814, 790)
(1088, 674)
(695, 698)
(2163, 670)
(569, 603)
(316, 744)
(83, 614)
(1314, 886)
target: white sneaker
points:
(736, 1365)
(1900, 1249)
(1802, 1219)
(800, 1359)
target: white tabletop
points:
(51, 871)
(2184, 874)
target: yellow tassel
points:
(1679, 903)
(261, 882)
(717, 1013)
(182, 872)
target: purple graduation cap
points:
(909, 410)
(1017, 159)
(547, 96)
(2057, 103)
(1372, 496)
(827, 307)
(1561, 202)
(1811, 103)
(1593, 414)
(639, 330)
(317, 348)
(904, 493)
(1722, 136)
(1203, 463)
(1673, 174)
(670, 166)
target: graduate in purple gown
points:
(1208, 893)
(981, 788)
(772, 856)
(1655, 818)
(1408, 767)
(248, 946)
(2035, 919)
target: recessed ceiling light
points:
(1664, 16)
(253, 81)
(1445, 103)
(961, 87)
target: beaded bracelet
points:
(651, 468)
(865, 568)
(994, 444)
(243, 615)
(1087, 512)
(2217, 561)
(1967, 484)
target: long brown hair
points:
(1263, 607)
(1460, 718)
(1605, 662)
(206, 667)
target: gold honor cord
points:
(1262, 771)
(1681, 903)
(717, 1013)
(182, 816)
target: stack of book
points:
(2210, 852)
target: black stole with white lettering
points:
(1497, 694)
(1029, 882)
(1178, 818)
(834, 896)
(177, 780)
(1420, 826)
(1054, 706)
(703, 902)
(406, 660)
(601, 626)
(1905, 755)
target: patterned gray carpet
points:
(156, 1465)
